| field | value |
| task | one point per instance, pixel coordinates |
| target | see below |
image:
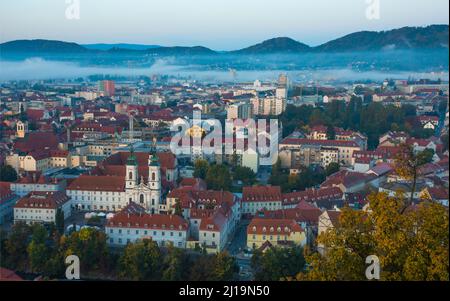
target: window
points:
(153, 176)
(141, 199)
(130, 176)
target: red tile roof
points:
(8, 275)
(37, 141)
(261, 194)
(98, 183)
(262, 226)
(334, 217)
(438, 193)
(313, 195)
(309, 214)
(42, 199)
(140, 220)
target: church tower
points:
(132, 176)
(154, 178)
(21, 129)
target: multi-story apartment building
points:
(241, 110)
(133, 223)
(344, 149)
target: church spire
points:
(153, 155)
(132, 160)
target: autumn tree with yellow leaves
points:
(411, 244)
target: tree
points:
(141, 261)
(442, 107)
(332, 168)
(219, 267)
(175, 265)
(59, 221)
(202, 268)
(8, 174)
(201, 169)
(38, 250)
(90, 246)
(178, 208)
(407, 164)
(331, 132)
(218, 178)
(14, 253)
(245, 174)
(225, 267)
(411, 244)
(278, 263)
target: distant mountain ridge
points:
(44, 46)
(106, 47)
(430, 37)
(276, 45)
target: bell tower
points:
(131, 180)
(154, 178)
(21, 129)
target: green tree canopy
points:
(201, 169)
(8, 174)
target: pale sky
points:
(218, 24)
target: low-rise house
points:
(281, 232)
(36, 181)
(349, 181)
(305, 214)
(437, 194)
(258, 198)
(41, 207)
(327, 221)
(313, 196)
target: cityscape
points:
(279, 161)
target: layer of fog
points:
(40, 69)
